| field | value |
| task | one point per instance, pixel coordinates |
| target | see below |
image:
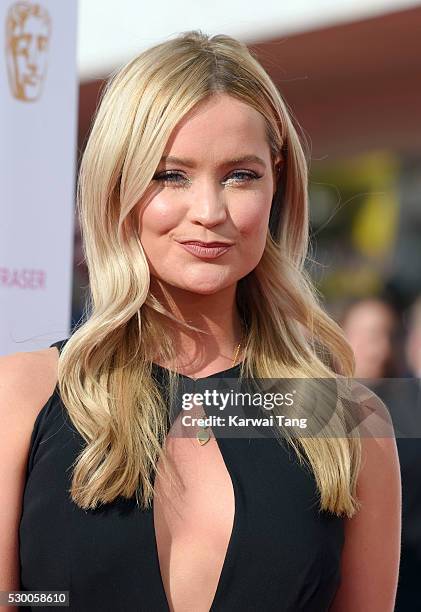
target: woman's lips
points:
(205, 252)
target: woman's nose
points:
(208, 205)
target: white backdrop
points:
(38, 144)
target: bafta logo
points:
(28, 28)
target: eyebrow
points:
(189, 163)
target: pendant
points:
(203, 435)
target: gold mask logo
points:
(28, 28)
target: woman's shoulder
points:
(27, 381)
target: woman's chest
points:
(194, 511)
(241, 527)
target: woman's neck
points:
(217, 315)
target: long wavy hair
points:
(105, 374)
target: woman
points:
(192, 143)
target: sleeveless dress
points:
(283, 554)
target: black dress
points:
(283, 554)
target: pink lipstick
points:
(205, 252)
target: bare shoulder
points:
(27, 381)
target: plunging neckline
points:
(233, 538)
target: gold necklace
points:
(203, 434)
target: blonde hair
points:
(105, 375)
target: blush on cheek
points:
(253, 213)
(159, 219)
(255, 228)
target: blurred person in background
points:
(374, 329)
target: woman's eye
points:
(249, 176)
(175, 177)
(167, 176)
(171, 177)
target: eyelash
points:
(164, 177)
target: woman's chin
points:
(203, 286)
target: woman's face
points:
(210, 193)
